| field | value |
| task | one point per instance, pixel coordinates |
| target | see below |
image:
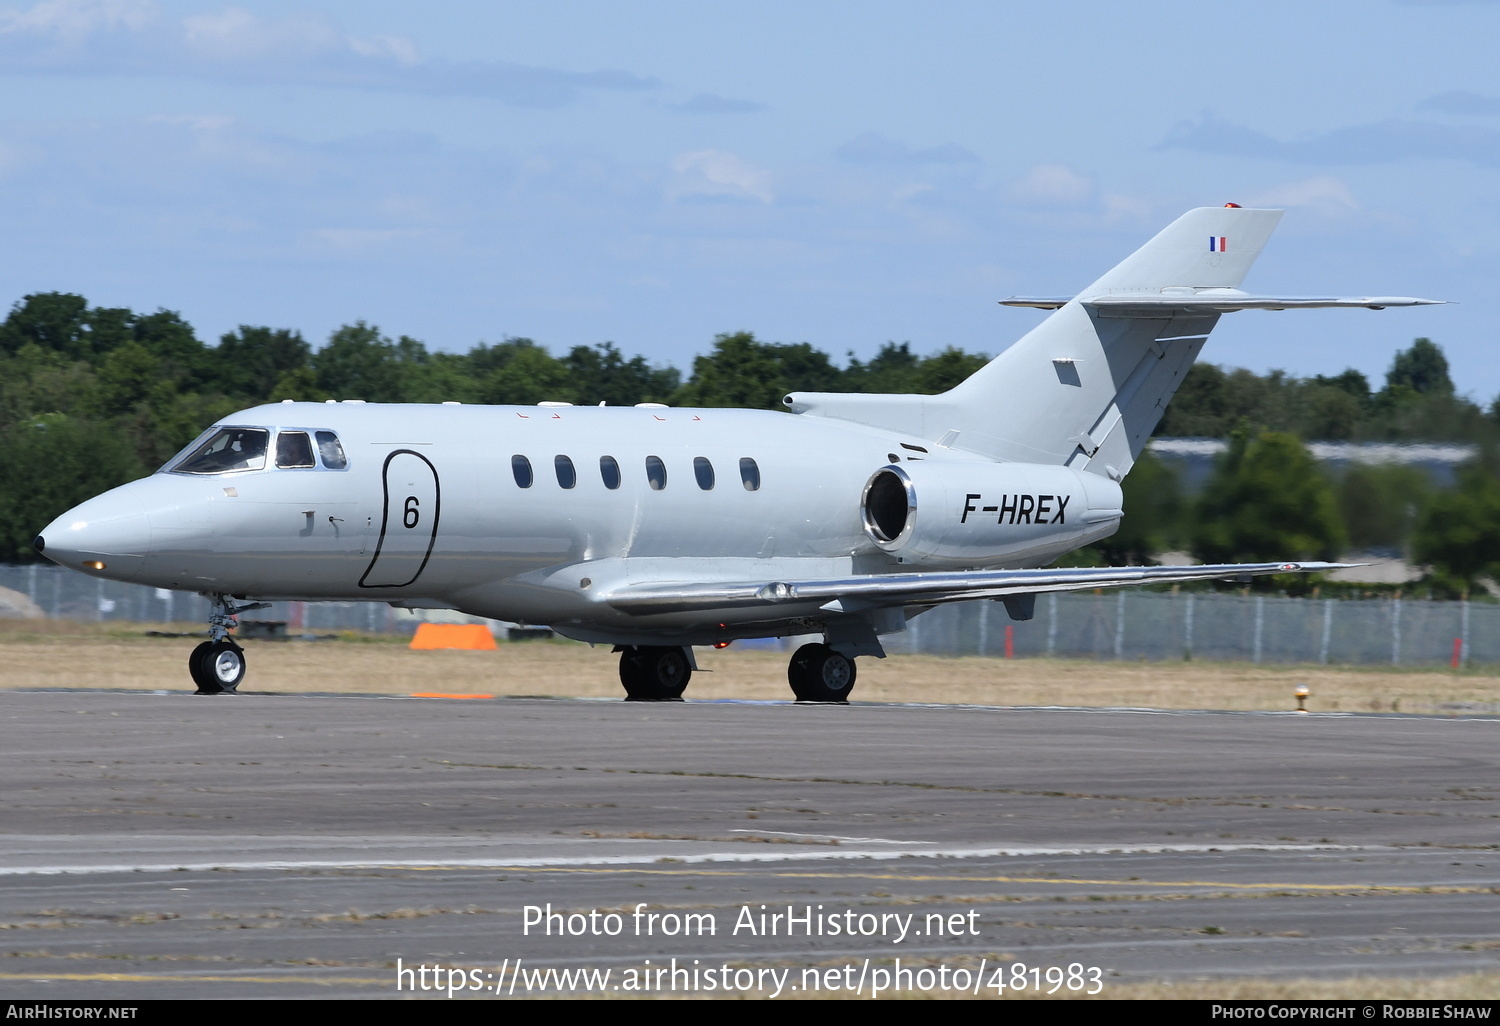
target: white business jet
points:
(654, 529)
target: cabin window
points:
(228, 450)
(749, 474)
(294, 450)
(520, 466)
(331, 451)
(656, 472)
(704, 472)
(609, 470)
(567, 477)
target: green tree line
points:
(92, 397)
(1417, 403)
(1269, 500)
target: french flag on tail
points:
(1216, 243)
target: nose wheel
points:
(653, 673)
(218, 665)
(819, 674)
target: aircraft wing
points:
(1213, 301)
(870, 591)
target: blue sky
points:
(840, 173)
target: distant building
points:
(1194, 457)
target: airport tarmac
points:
(167, 845)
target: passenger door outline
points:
(400, 545)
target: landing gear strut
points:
(653, 673)
(817, 673)
(218, 665)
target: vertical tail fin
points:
(1206, 248)
(1087, 386)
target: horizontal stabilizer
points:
(872, 591)
(1038, 302)
(1166, 303)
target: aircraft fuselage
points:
(537, 514)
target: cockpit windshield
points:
(229, 449)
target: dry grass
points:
(61, 654)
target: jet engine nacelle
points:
(962, 515)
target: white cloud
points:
(113, 37)
(709, 103)
(873, 148)
(71, 20)
(1053, 185)
(15, 157)
(1325, 192)
(197, 122)
(1120, 209)
(236, 34)
(398, 48)
(717, 173)
(364, 240)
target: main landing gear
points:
(658, 673)
(819, 674)
(654, 673)
(218, 665)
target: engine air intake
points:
(888, 504)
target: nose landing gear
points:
(218, 665)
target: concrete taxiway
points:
(158, 845)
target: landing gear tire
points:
(819, 674)
(197, 670)
(653, 673)
(217, 667)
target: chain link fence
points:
(1123, 624)
(1127, 624)
(57, 593)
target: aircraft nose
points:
(107, 536)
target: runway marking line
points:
(439, 694)
(147, 978)
(762, 856)
(931, 878)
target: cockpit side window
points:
(294, 450)
(332, 451)
(229, 449)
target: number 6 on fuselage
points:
(408, 523)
